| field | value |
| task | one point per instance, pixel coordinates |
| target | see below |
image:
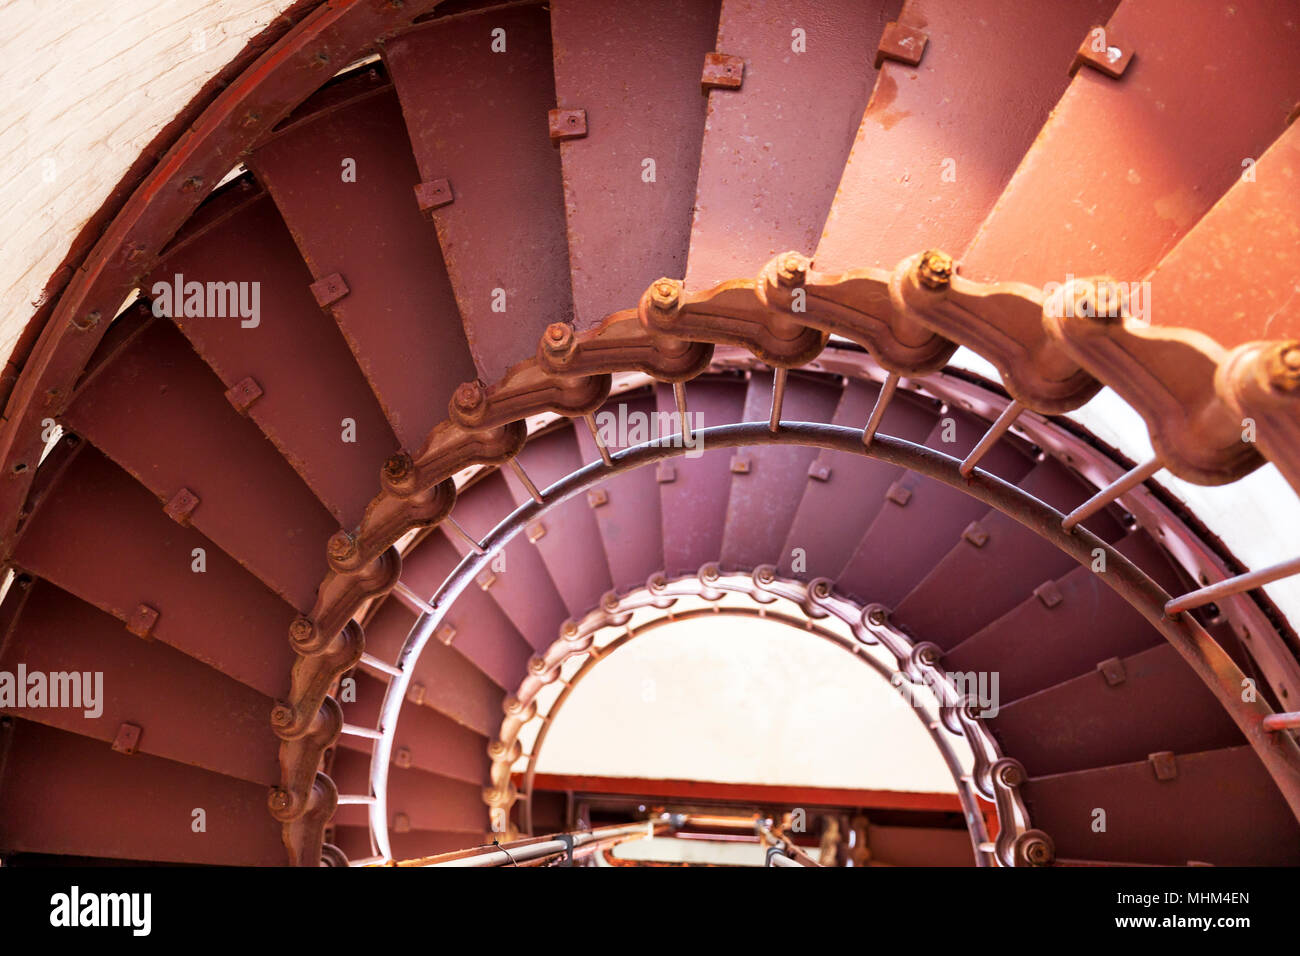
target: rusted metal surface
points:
(186, 711)
(143, 805)
(629, 516)
(161, 414)
(307, 381)
(764, 498)
(1242, 255)
(428, 801)
(773, 149)
(480, 121)
(1091, 722)
(652, 111)
(1170, 822)
(845, 492)
(128, 551)
(1122, 169)
(399, 316)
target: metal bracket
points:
(243, 394)
(1049, 594)
(1102, 53)
(567, 124)
(446, 634)
(567, 840)
(142, 621)
(433, 195)
(127, 740)
(975, 534)
(901, 43)
(1164, 765)
(329, 290)
(722, 72)
(1113, 670)
(181, 506)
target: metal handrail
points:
(539, 851)
(1281, 757)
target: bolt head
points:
(792, 270)
(301, 630)
(558, 340)
(470, 396)
(876, 616)
(281, 714)
(1283, 364)
(280, 800)
(341, 546)
(398, 466)
(935, 269)
(664, 294)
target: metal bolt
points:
(935, 269)
(398, 466)
(1284, 367)
(1011, 775)
(1037, 852)
(876, 616)
(281, 714)
(301, 630)
(341, 546)
(558, 340)
(792, 269)
(470, 396)
(664, 294)
(280, 799)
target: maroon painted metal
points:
(881, 570)
(427, 801)
(767, 481)
(938, 142)
(520, 584)
(187, 712)
(570, 544)
(691, 490)
(640, 90)
(162, 415)
(1242, 255)
(128, 552)
(971, 585)
(627, 509)
(399, 315)
(1170, 822)
(1123, 169)
(477, 628)
(306, 379)
(143, 805)
(918, 846)
(1117, 716)
(479, 120)
(1034, 646)
(443, 679)
(844, 493)
(774, 149)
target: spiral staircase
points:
(339, 554)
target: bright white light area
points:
(742, 700)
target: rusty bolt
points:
(876, 616)
(498, 749)
(935, 269)
(282, 714)
(279, 800)
(1011, 775)
(469, 397)
(569, 630)
(341, 546)
(664, 295)
(1284, 367)
(536, 665)
(512, 706)
(398, 466)
(301, 630)
(792, 270)
(558, 340)
(1036, 851)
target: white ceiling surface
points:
(742, 700)
(1255, 517)
(87, 86)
